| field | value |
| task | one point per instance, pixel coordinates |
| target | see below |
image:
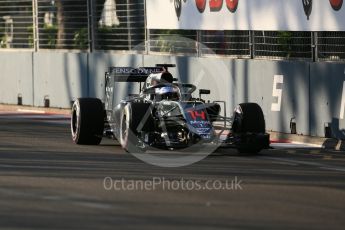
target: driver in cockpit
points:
(168, 92)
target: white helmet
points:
(168, 93)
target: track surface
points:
(47, 182)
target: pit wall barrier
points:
(302, 97)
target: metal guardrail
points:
(330, 46)
(173, 42)
(62, 24)
(282, 45)
(229, 43)
(119, 25)
(16, 24)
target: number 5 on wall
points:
(278, 93)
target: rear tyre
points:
(87, 121)
(248, 122)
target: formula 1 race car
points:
(164, 115)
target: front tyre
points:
(248, 118)
(135, 118)
(87, 121)
(249, 128)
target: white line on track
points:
(51, 167)
(334, 169)
(306, 144)
(40, 116)
(70, 198)
(294, 145)
(298, 162)
(31, 111)
(285, 163)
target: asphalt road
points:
(47, 182)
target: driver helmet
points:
(158, 78)
(168, 93)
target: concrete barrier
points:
(16, 77)
(327, 99)
(60, 77)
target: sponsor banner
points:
(289, 15)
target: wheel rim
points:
(124, 130)
(74, 122)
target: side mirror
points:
(203, 91)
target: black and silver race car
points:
(164, 115)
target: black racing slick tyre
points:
(249, 126)
(135, 118)
(248, 118)
(87, 121)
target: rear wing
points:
(128, 74)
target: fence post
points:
(147, 32)
(251, 44)
(147, 41)
(35, 25)
(129, 25)
(91, 24)
(199, 42)
(314, 46)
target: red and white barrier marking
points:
(36, 115)
(279, 144)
